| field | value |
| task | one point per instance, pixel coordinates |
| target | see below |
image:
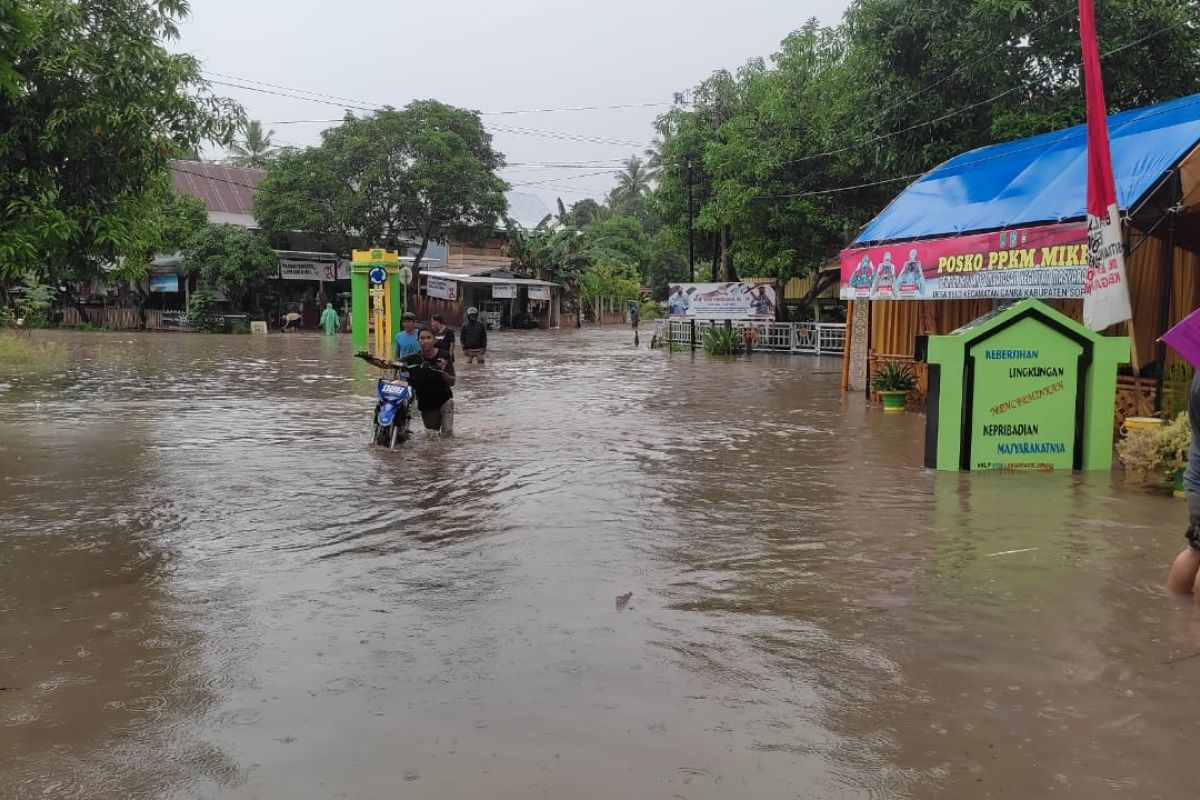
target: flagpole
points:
(1105, 288)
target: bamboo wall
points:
(895, 324)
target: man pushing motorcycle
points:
(431, 374)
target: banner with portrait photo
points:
(739, 300)
(1048, 262)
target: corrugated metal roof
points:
(227, 192)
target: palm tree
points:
(255, 149)
(654, 159)
(633, 181)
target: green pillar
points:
(358, 307)
(395, 296)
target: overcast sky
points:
(491, 56)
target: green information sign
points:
(1025, 398)
(1021, 388)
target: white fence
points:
(815, 338)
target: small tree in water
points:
(234, 259)
(202, 313)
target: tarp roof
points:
(1041, 179)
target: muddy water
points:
(210, 587)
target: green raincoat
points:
(329, 320)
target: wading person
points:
(431, 374)
(1183, 577)
(474, 337)
(443, 336)
(406, 340)
(329, 320)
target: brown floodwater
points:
(212, 587)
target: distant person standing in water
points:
(442, 335)
(474, 337)
(1183, 577)
(406, 340)
(329, 320)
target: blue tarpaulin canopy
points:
(1042, 179)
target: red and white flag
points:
(1105, 288)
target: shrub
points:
(202, 313)
(720, 341)
(1160, 450)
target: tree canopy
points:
(92, 106)
(232, 258)
(788, 157)
(422, 174)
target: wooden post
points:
(1164, 309)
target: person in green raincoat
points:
(329, 320)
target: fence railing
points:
(814, 338)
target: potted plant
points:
(892, 382)
(1160, 451)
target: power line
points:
(561, 135)
(553, 180)
(613, 107)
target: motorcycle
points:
(392, 419)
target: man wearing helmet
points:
(473, 337)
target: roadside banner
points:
(538, 292)
(1105, 290)
(441, 288)
(746, 300)
(1047, 261)
(503, 291)
(297, 270)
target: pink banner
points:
(1049, 261)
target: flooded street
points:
(212, 587)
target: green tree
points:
(234, 259)
(255, 148)
(85, 140)
(15, 29)
(608, 282)
(787, 158)
(422, 174)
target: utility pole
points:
(691, 213)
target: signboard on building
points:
(503, 291)
(538, 292)
(738, 300)
(1049, 261)
(441, 288)
(296, 270)
(164, 283)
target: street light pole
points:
(691, 213)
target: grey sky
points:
(523, 54)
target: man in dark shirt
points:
(442, 336)
(431, 374)
(474, 337)
(1183, 578)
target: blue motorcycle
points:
(392, 419)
